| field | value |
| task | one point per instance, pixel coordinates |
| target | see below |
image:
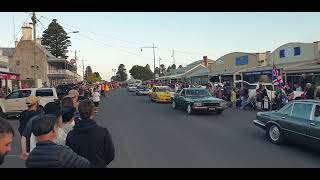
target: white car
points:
(15, 102)
(271, 90)
(132, 88)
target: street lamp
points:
(154, 61)
(74, 32)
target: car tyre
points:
(189, 109)
(274, 134)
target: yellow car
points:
(160, 94)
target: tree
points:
(162, 68)
(173, 66)
(88, 72)
(56, 40)
(157, 70)
(180, 66)
(121, 75)
(169, 69)
(94, 77)
(141, 73)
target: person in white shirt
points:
(96, 98)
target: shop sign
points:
(10, 76)
(258, 73)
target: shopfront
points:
(9, 82)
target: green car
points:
(198, 100)
(298, 121)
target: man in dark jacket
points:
(47, 154)
(310, 91)
(90, 140)
(32, 103)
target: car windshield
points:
(198, 92)
(163, 89)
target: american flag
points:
(276, 77)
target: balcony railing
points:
(62, 72)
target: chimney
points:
(39, 41)
(205, 61)
(26, 33)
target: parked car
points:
(271, 89)
(198, 100)
(15, 102)
(63, 89)
(160, 94)
(142, 90)
(297, 121)
(132, 88)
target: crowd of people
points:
(63, 134)
(239, 97)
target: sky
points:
(107, 39)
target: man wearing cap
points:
(32, 103)
(90, 140)
(47, 154)
(6, 135)
(50, 108)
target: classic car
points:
(132, 88)
(160, 94)
(298, 122)
(142, 90)
(198, 100)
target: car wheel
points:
(274, 134)
(174, 106)
(189, 109)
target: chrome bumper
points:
(259, 124)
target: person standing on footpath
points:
(90, 140)
(48, 154)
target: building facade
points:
(33, 62)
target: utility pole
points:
(82, 69)
(159, 61)
(75, 65)
(174, 60)
(154, 60)
(34, 21)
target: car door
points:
(12, 101)
(25, 93)
(180, 97)
(296, 124)
(314, 128)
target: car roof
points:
(195, 88)
(308, 101)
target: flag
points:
(276, 77)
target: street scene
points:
(74, 96)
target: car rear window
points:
(44, 92)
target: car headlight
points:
(223, 104)
(197, 104)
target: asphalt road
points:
(147, 134)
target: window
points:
(297, 51)
(44, 92)
(15, 95)
(301, 110)
(26, 93)
(269, 87)
(197, 93)
(317, 113)
(287, 109)
(282, 53)
(182, 92)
